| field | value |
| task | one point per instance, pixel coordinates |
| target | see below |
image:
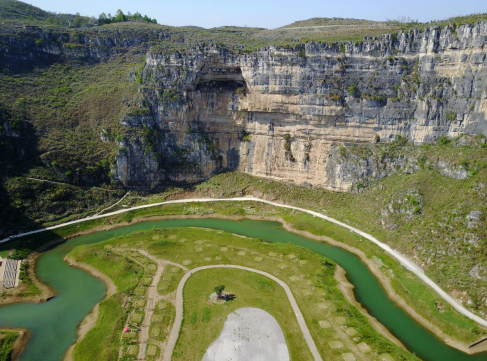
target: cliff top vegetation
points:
(16, 13)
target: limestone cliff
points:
(282, 113)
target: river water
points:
(53, 325)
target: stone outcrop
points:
(283, 113)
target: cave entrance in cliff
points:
(220, 79)
(221, 86)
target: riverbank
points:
(90, 321)
(347, 289)
(13, 350)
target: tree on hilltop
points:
(120, 17)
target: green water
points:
(53, 325)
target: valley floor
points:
(260, 212)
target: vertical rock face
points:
(283, 113)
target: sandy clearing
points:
(249, 334)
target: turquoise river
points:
(53, 325)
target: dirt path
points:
(173, 336)
(69, 185)
(153, 298)
(150, 305)
(89, 321)
(113, 205)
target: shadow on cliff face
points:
(18, 148)
(30, 51)
(18, 152)
(11, 217)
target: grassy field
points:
(308, 274)
(203, 321)
(103, 341)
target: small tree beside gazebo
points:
(219, 291)
(219, 297)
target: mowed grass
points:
(203, 321)
(162, 320)
(170, 279)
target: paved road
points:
(173, 336)
(410, 265)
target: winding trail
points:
(407, 263)
(173, 336)
(69, 185)
(113, 205)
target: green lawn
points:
(308, 274)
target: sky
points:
(266, 13)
